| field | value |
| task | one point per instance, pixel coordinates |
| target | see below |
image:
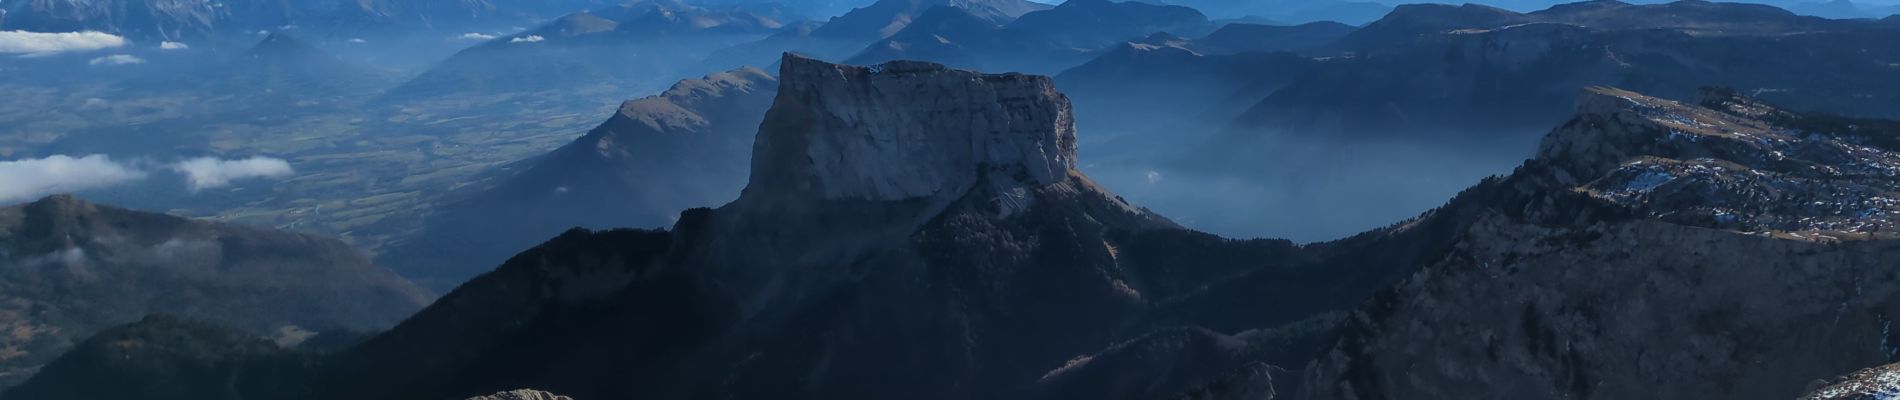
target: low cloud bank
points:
(33, 178)
(210, 172)
(173, 46)
(477, 36)
(23, 42)
(117, 59)
(527, 39)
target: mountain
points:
(70, 269)
(912, 230)
(175, 20)
(1241, 37)
(685, 147)
(1292, 11)
(1039, 42)
(1838, 9)
(283, 64)
(1139, 90)
(1169, 83)
(848, 34)
(583, 61)
(139, 19)
(1761, 230)
(1439, 95)
(907, 213)
(1694, 17)
(1668, 49)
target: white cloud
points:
(527, 39)
(172, 46)
(33, 178)
(210, 172)
(477, 36)
(358, 40)
(23, 42)
(117, 59)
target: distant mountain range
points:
(1463, 91)
(1292, 11)
(199, 19)
(849, 33)
(1045, 41)
(629, 47)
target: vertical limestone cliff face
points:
(907, 130)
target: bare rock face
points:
(906, 130)
(1882, 382)
(522, 394)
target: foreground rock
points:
(522, 394)
(1882, 382)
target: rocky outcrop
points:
(1882, 382)
(522, 394)
(1653, 249)
(70, 269)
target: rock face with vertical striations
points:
(908, 130)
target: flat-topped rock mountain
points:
(70, 269)
(940, 135)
